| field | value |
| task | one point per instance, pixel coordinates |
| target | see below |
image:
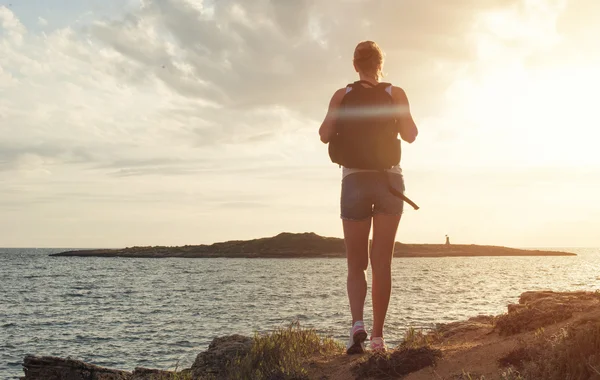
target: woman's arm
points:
(328, 126)
(407, 127)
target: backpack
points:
(366, 133)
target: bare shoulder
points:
(338, 96)
(399, 95)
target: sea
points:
(160, 313)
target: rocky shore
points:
(303, 245)
(547, 336)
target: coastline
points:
(546, 335)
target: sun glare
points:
(542, 117)
(536, 105)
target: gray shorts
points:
(365, 194)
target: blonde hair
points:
(369, 58)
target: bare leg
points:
(384, 237)
(356, 237)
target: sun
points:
(539, 117)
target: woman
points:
(366, 199)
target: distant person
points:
(361, 128)
(448, 240)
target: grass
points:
(282, 354)
(573, 353)
(468, 376)
(418, 338)
(511, 374)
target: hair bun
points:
(368, 58)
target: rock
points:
(545, 297)
(543, 308)
(52, 368)
(154, 374)
(448, 330)
(221, 352)
(213, 362)
(528, 297)
(514, 307)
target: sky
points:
(172, 122)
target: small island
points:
(303, 245)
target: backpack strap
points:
(366, 82)
(396, 192)
(388, 86)
(388, 89)
(358, 85)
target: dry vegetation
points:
(414, 353)
(282, 354)
(572, 353)
(529, 318)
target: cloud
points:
(177, 100)
(237, 205)
(175, 78)
(12, 154)
(11, 25)
(284, 53)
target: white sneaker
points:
(356, 342)
(378, 344)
